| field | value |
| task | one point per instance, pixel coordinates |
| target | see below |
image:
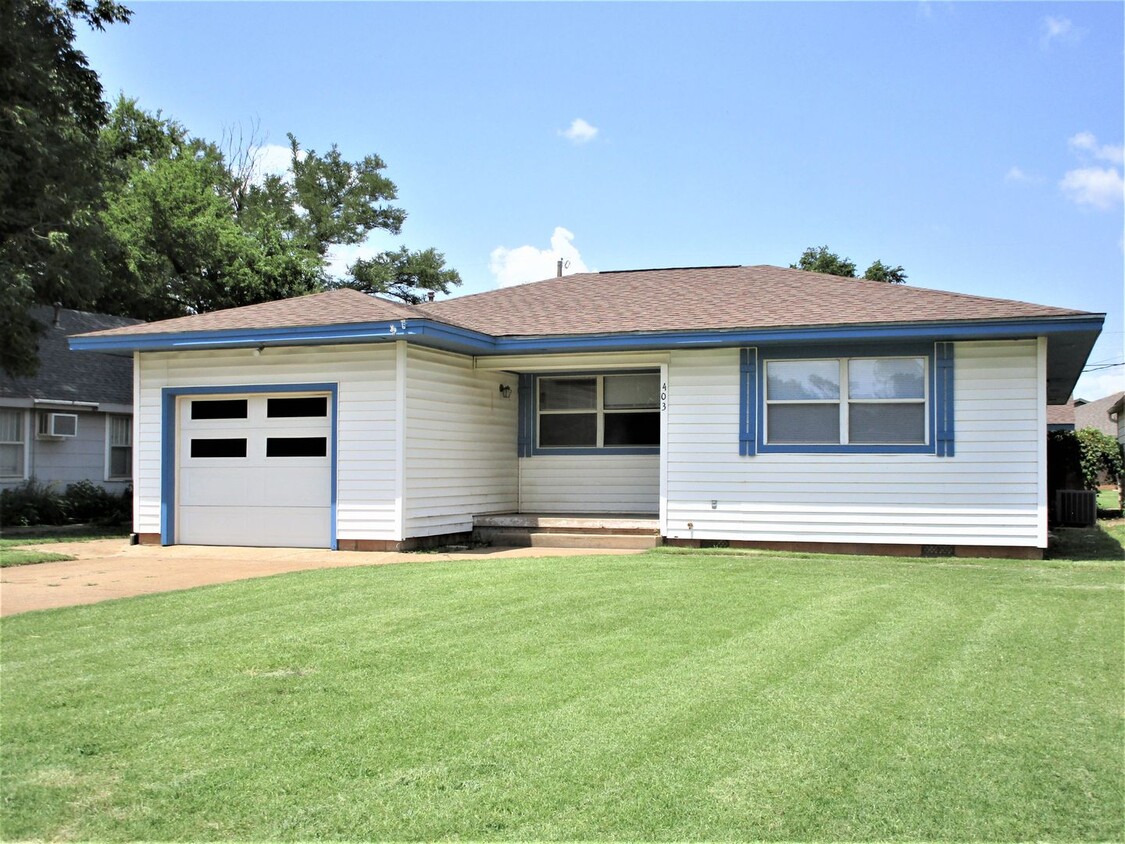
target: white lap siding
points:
(591, 483)
(460, 439)
(365, 375)
(988, 494)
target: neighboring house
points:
(1060, 417)
(72, 421)
(751, 406)
(1097, 414)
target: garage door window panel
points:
(218, 447)
(302, 406)
(218, 408)
(296, 447)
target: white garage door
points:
(255, 470)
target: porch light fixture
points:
(505, 391)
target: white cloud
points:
(580, 132)
(1100, 188)
(527, 263)
(1061, 30)
(1015, 174)
(1087, 142)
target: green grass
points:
(662, 696)
(1109, 499)
(48, 536)
(21, 557)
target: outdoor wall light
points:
(505, 391)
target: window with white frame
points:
(119, 447)
(599, 411)
(847, 401)
(12, 444)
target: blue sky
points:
(979, 145)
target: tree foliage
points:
(50, 113)
(821, 259)
(1099, 455)
(196, 228)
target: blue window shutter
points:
(943, 399)
(748, 403)
(526, 410)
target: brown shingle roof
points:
(336, 307)
(700, 298)
(707, 298)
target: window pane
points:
(628, 391)
(120, 430)
(304, 406)
(804, 423)
(568, 429)
(120, 462)
(788, 380)
(218, 448)
(887, 423)
(632, 429)
(11, 426)
(887, 378)
(568, 393)
(11, 461)
(296, 446)
(218, 409)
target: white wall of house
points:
(592, 483)
(460, 443)
(989, 493)
(366, 437)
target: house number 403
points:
(664, 396)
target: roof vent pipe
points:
(558, 270)
(58, 307)
(430, 296)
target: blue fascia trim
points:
(441, 335)
(911, 349)
(168, 436)
(423, 332)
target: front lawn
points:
(661, 696)
(13, 552)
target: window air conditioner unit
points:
(56, 426)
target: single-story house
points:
(753, 406)
(72, 420)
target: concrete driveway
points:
(111, 568)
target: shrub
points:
(1100, 456)
(32, 503)
(36, 503)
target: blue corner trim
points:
(168, 435)
(748, 399)
(943, 399)
(526, 412)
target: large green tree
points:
(196, 228)
(821, 259)
(51, 110)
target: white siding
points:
(366, 429)
(460, 438)
(591, 483)
(988, 494)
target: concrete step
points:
(593, 541)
